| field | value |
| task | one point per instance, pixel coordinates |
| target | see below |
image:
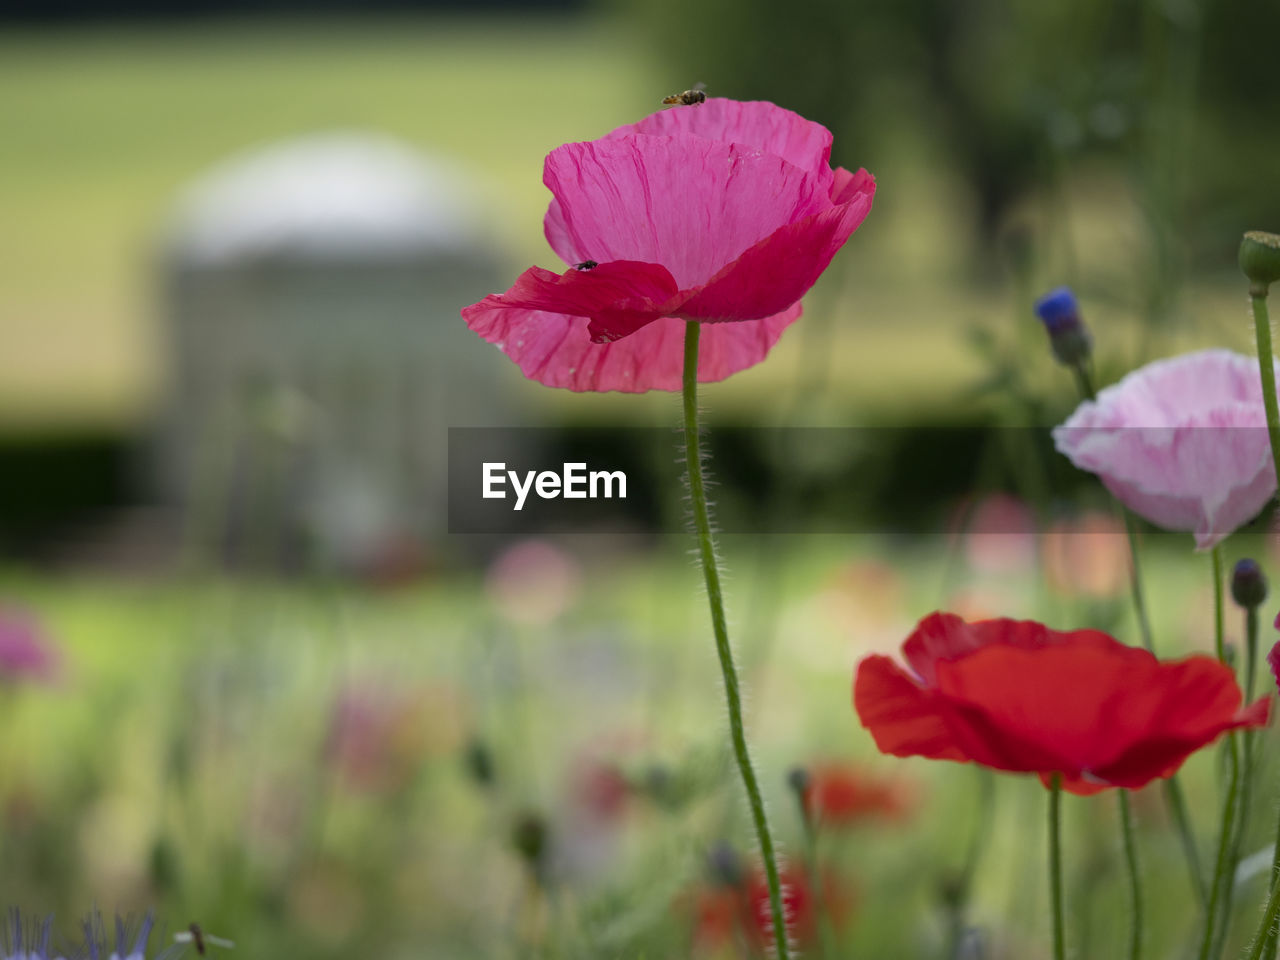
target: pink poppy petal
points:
(758, 124)
(556, 349)
(715, 201)
(845, 186)
(780, 269)
(618, 297)
(1181, 442)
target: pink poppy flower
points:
(1182, 442)
(724, 213)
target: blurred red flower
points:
(841, 795)
(725, 213)
(721, 913)
(1014, 695)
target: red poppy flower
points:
(1014, 695)
(724, 211)
(840, 795)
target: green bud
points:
(1260, 260)
(529, 837)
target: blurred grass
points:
(105, 127)
(181, 764)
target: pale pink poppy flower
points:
(1181, 442)
(533, 582)
(724, 213)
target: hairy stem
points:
(732, 690)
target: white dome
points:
(344, 194)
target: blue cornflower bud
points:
(1248, 584)
(1069, 338)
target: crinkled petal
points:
(556, 349)
(845, 185)
(945, 636)
(618, 297)
(781, 268)
(758, 124)
(1100, 715)
(903, 718)
(690, 204)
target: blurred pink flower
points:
(724, 211)
(1087, 555)
(26, 652)
(1182, 442)
(377, 737)
(1000, 535)
(533, 582)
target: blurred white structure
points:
(313, 290)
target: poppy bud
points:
(529, 837)
(798, 780)
(725, 865)
(1069, 338)
(1260, 260)
(479, 763)
(1248, 584)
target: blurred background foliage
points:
(298, 762)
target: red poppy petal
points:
(778, 270)
(945, 636)
(692, 205)
(556, 349)
(758, 124)
(903, 719)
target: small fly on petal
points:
(690, 97)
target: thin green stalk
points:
(1055, 867)
(733, 694)
(1135, 877)
(1246, 780)
(1250, 651)
(1266, 934)
(1215, 928)
(1175, 800)
(826, 932)
(1269, 947)
(973, 854)
(1266, 366)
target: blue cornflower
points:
(25, 939)
(1069, 338)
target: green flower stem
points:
(1250, 651)
(1135, 877)
(1266, 366)
(1271, 934)
(1247, 739)
(1055, 867)
(1175, 800)
(1224, 868)
(1265, 943)
(733, 694)
(1266, 935)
